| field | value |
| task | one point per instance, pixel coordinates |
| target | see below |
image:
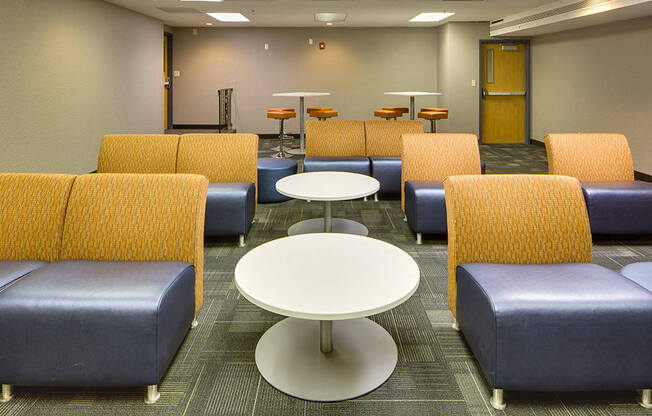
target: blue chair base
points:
(338, 164)
(425, 207)
(270, 170)
(556, 327)
(230, 208)
(388, 172)
(619, 207)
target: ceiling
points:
(293, 13)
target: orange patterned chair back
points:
(514, 219)
(220, 157)
(335, 138)
(138, 153)
(384, 136)
(126, 217)
(595, 157)
(436, 156)
(32, 211)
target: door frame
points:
(527, 139)
(170, 38)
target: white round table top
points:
(301, 94)
(327, 186)
(412, 93)
(327, 276)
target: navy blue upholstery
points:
(619, 207)
(640, 273)
(388, 172)
(556, 327)
(11, 270)
(270, 170)
(483, 167)
(230, 208)
(95, 323)
(351, 164)
(425, 207)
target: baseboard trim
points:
(275, 135)
(642, 176)
(537, 143)
(198, 126)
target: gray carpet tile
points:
(214, 371)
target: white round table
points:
(412, 94)
(328, 187)
(326, 350)
(302, 120)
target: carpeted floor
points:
(214, 371)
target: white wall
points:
(72, 71)
(357, 66)
(597, 79)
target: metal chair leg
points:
(375, 197)
(646, 398)
(281, 152)
(241, 241)
(152, 395)
(456, 326)
(194, 323)
(433, 126)
(6, 393)
(497, 400)
(419, 239)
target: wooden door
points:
(503, 92)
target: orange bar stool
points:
(280, 109)
(388, 114)
(323, 114)
(311, 110)
(402, 110)
(281, 116)
(440, 110)
(433, 116)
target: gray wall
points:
(596, 80)
(72, 71)
(458, 65)
(357, 66)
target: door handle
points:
(484, 93)
(166, 83)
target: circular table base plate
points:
(288, 356)
(339, 225)
(296, 152)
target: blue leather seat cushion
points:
(619, 207)
(556, 327)
(230, 208)
(11, 270)
(640, 273)
(95, 323)
(270, 170)
(352, 164)
(388, 172)
(425, 207)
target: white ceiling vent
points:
(568, 14)
(182, 10)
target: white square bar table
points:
(412, 94)
(302, 115)
(326, 350)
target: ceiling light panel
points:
(430, 17)
(330, 17)
(229, 17)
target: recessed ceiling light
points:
(430, 17)
(229, 17)
(209, 24)
(330, 17)
(329, 23)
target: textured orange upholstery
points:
(32, 211)
(122, 217)
(138, 153)
(281, 115)
(220, 157)
(384, 136)
(387, 113)
(401, 110)
(595, 157)
(514, 219)
(434, 157)
(335, 138)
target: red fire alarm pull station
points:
(322, 45)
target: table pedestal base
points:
(339, 225)
(289, 357)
